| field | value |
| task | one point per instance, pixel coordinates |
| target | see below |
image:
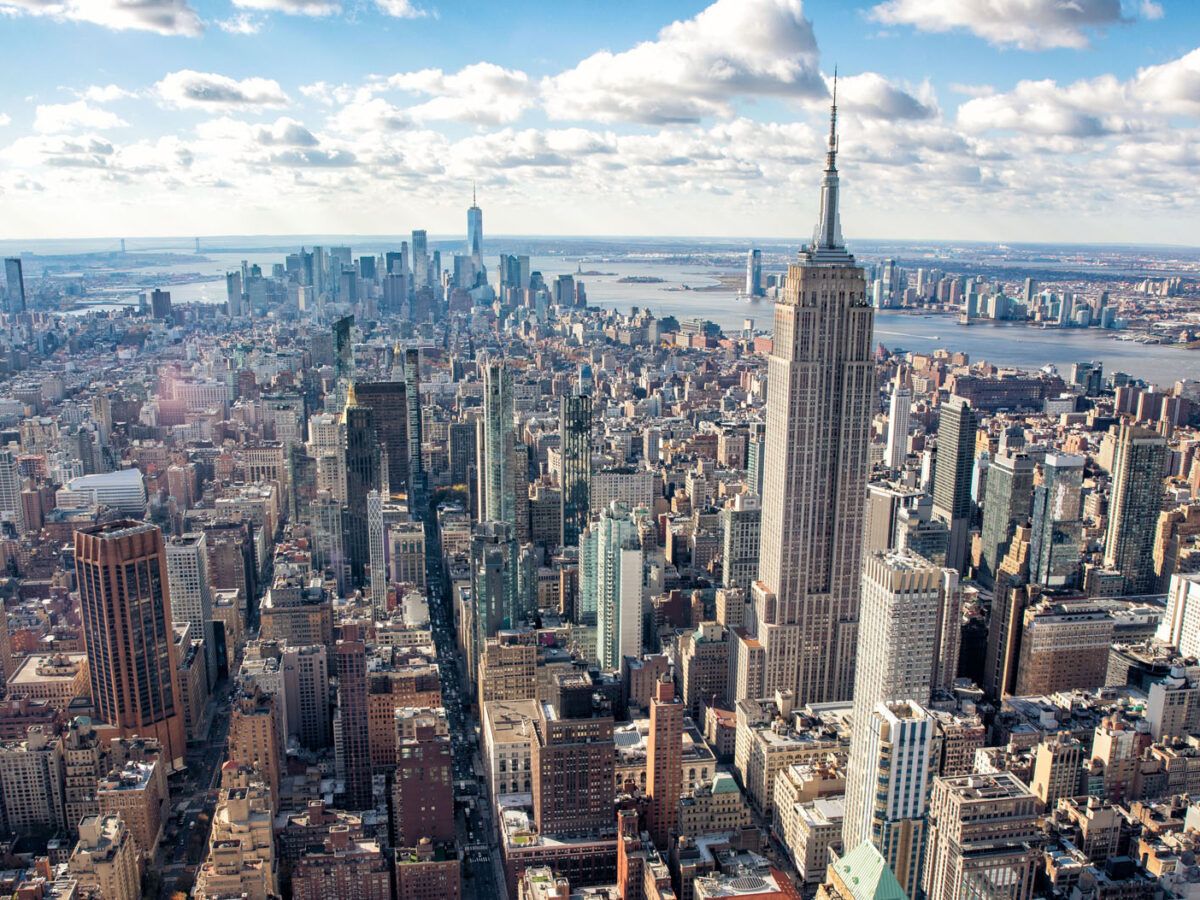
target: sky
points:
(996, 120)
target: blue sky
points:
(1060, 120)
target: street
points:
(483, 874)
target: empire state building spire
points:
(827, 245)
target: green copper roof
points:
(867, 876)
(723, 783)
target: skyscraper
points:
(741, 538)
(908, 637)
(664, 758)
(388, 402)
(475, 234)
(952, 476)
(497, 497)
(611, 577)
(818, 424)
(575, 440)
(191, 593)
(1137, 491)
(901, 754)
(420, 259)
(1057, 526)
(754, 286)
(899, 415)
(353, 718)
(125, 602)
(1008, 501)
(15, 285)
(362, 477)
(417, 479)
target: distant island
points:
(592, 273)
(640, 279)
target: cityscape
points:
(441, 565)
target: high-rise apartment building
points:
(741, 537)
(664, 757)
(819, 410)
(899, 419)
(417, 476)
(125, 600)
(900, 760)
(611, 581)
(497, 489)
(952, 476)
(1137, 492)
(575, 441)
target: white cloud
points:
(872, 95)
(59, 118)
(240, 24)
(286, 132)
(293, 7)
(1173, 87)
(696, 67)
(187, 88)
(1028, 24)
(106, 93)
(5, 119)
(482, 93)
(168, 17)
(401, 9)
(1091, 107)
(364, 116)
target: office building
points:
(818, 423)
(388, 403)
(125, 600)
(1008, 501)
(191, 592)
(423, 783)
(754, 279)
(573, 763)
(1056, 532)
(908, 638)
(352, 725)
(952, 476)
(362, 477)
(14, 281)
(983, 839)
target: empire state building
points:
(820, 392)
